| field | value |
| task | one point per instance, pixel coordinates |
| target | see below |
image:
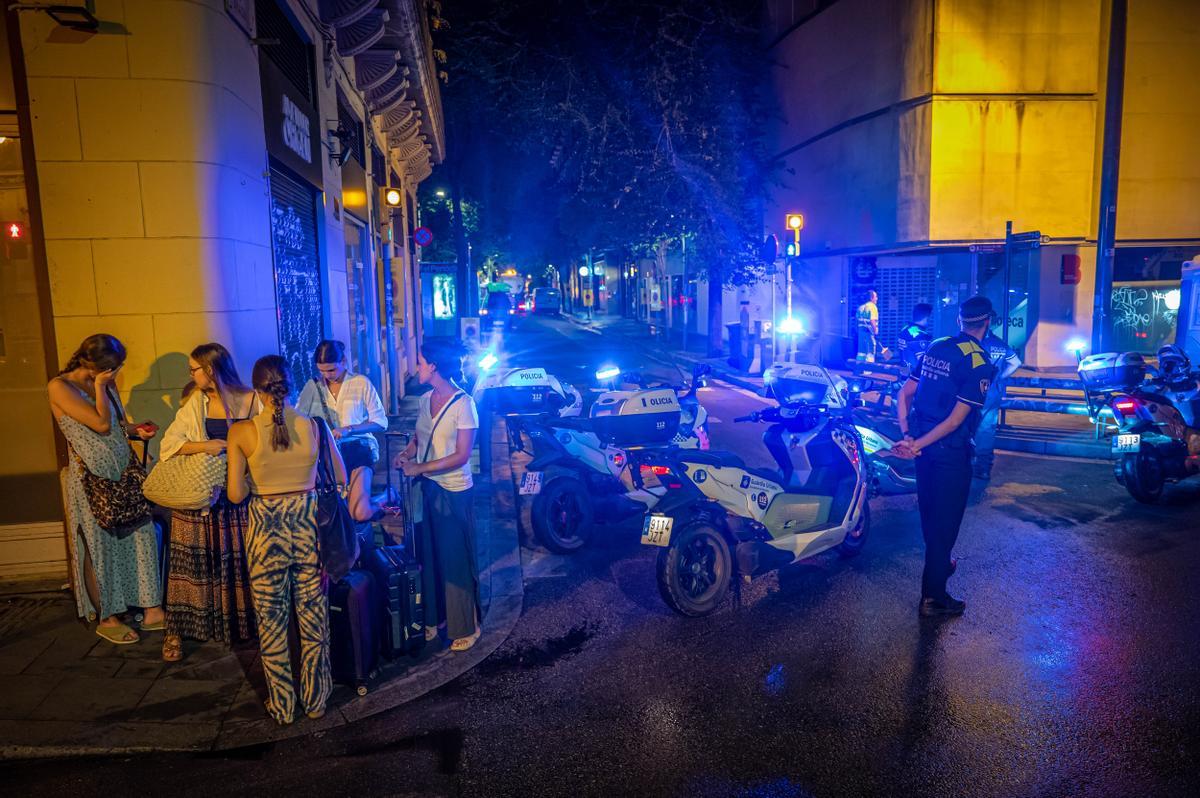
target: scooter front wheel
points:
(694, 570)
(856, 538)
(562, 516)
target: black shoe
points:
(948, 607)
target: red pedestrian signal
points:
(14, 231)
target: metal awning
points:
(340, 13)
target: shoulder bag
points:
(416, 496)
(186, 481)
(117, 506)
(337, 543)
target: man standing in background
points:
(868, 328)
(1006, 362)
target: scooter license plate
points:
(531, 483)
(1122, 444)
(656, 530)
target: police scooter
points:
(1157, 414)
(792, 382)
(720, 519)
(580, 474)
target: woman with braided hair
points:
(113, 569)
(280, 448)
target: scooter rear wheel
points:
(563, 516)
(1144, 476)
(694, 570)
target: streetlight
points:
(440, 193)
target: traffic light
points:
(392, 197)
(795, 221)
(14, 231)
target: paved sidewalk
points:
(68, 693)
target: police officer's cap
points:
(975, 310)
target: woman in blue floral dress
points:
(112, 571)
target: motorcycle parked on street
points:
(719, 519)
(878, 427)
(579, 475)
(1155, 410)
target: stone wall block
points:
(72, 280)
(90, 200)
(55, 122)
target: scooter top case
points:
(527, 392)
(804, 382)
(630, 419)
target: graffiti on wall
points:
(1144, 315)
(297, 288)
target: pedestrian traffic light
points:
(14, 231)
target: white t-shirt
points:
(460, 415)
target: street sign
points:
(1031, 239)
(423, 236)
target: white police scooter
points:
(580, 475)
(800, 382)
(719, 519)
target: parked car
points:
(546, 301)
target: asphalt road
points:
(1073, 672)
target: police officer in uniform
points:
(1006, 362)
(914, 338)
(945, 398)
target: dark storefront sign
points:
(291, 123)
(297, 271)
(354, 173)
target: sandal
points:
(463, 643)
(316, 714)
(172, 649)
(118, 635)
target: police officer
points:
(914, 338)
(1006, 362)
(867, 316)
(945, 397)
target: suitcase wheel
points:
(361, 689)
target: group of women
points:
(241, 568)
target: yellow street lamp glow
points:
(392, 197)
(795, 221)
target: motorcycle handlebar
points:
(751, 417)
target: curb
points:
(502, 584)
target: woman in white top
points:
(440, 454)
(208, 587)
(351, 406)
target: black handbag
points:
(337, 543)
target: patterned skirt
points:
(208, 586)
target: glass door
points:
(363, 307)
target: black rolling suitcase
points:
(354, 630)
(399, 583)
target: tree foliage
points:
(622, 123)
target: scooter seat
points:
(728, 460)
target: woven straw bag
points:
(186, 481)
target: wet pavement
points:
(1073, 672)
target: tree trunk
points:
(715, 290)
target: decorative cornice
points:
(374, 68)
(362, 35)
(340, 13)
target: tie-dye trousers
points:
(281, 551)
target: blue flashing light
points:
(791, 326)
(488, 361)
(607, 373)
(1076, 345)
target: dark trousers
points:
(450, 578)
(943, 481)
(985, 441)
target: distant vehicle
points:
(546, 301)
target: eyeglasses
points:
(194, 369)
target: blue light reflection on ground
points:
(776, 680)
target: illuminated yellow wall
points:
(1159, 195)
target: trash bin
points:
(736, 356)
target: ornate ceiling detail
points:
(360, 36)
(340, 13)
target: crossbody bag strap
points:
(321, 396)
(438, 420)
(324, 458)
